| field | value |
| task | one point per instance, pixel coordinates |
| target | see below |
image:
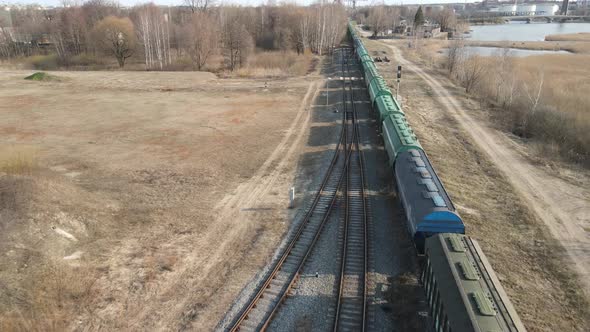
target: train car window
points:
(429, 277)
(437, 311)
(425, 174)
(419, 162)
(438, 201)
(430, 186)
(429, 294)
(433, 293)
(439, 320)
(426, 269)
(436, 300)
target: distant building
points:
(428, 30)
(522, 9)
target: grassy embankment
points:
(580, 36)
(558, 123)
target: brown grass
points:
(276, 64)
(580, 36)
(570, 46)
(562, 120)
(51, 296)
(152, 240)
(18, 159)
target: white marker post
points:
(327, 91)
(399, 76)
(292, 198)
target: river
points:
(520, 31)
(488, 51)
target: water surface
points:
(488, 51)
(521, 31)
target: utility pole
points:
(399, 76)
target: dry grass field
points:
(574, 46)
(127, 199)
(580, 36)
(560, 125)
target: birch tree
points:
(533, 94)
(154, 34)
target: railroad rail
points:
(351, 301)
(257, 315)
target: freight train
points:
(462, 290)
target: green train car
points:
(385, 106)
(462, 290)
(378, 87)
(398, 136)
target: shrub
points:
(41, 76)
(180, 64)
(43, 62)
(86, 60)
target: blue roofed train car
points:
(427, 205)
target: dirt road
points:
(563, 206)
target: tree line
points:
(159, 36)
(382, 18)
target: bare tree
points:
(382, 18)
(446, 18)
(162, 33)
(455, 55)
(472, 71)
(504, 78)
(200, 38)
(377, 19)
(198, 5)
(237, 42)
(116, 36)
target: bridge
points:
(529, 18)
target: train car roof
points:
(471, 294)
(413, 165)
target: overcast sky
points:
(242, 2)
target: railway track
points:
(340, 176)
(351, 298)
